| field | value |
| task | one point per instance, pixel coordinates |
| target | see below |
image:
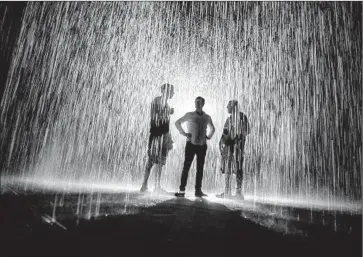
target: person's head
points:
(232, 106)
(167, 90)
(199, 103)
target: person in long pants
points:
(197, 123)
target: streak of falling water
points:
(98, 205)
(54, 207)
(79, 204)
(77, 98)
(90, 205)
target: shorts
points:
(233, 149)
(159, 147)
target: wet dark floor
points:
(170, 227)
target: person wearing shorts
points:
(160, 141)
(231, 145)
(159, 147)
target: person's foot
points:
(159, 190)
(200, 194)
(143, 189)
(223, 195)
(239, 195)
(180, 194)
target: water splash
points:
(78, 94)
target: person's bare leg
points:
(228, 173)
(239, 173)
(226, 169)
(148, 168)
(223, 164)
(158, 189)
(159, 168)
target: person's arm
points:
(153, 109)
(170, 110)
(179, 127)
(246, 126)
(221, 143)
(224, 135)
(213, 129)
(226, 128)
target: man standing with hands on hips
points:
(197, 137)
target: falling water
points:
(77, 100)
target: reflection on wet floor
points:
(57, 206)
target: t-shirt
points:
(197, 126)
(234, 126)
(160, 117)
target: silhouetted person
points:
(197, 137)
(160, 141)
(231, 145)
